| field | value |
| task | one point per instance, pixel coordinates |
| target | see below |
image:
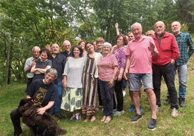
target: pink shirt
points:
(106, 67)
(140, 56)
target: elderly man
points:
(139, 55)
(185, 46)
(40, 87)
(30, 62)
(67, 48)
(163, 65)
(58, 62)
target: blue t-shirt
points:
(41, 93)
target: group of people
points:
(98, 69)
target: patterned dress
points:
(72, 99)
(73, 94)
(89, 87)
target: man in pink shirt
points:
(139, 65)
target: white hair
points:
(66, 41)
(106, 43)
(136, 23)
(160, 22)
(54, 44)
(35, 47)
(52, 71)
(176, 22)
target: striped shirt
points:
(185, 45)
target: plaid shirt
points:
(185, 45)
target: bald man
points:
(163, 65)
(58, 62)
(185, 46)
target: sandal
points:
(86, 120)
(93, 119)
(108, 119)
(73, 118)
(103, 119)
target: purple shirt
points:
(121, 57)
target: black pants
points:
(15, 118)
(168, 72)
(29, 81)
(107, 97)
(119, 95)
(99, 95)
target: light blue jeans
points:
(182, 74)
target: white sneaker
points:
(124, 93)
(174, 112)
(158, 108)
(117, 113)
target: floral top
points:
(121, 57)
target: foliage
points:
(185, 10)
(30, 23)
(41, 22)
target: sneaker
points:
(158, 109)
(78, 117)
(114, 110)
(152, 124)
(124, 93)
(132, 108)
(73, 118)
(182, 102)
(141, 110)
(167, 101)
(136, 118)
(117, 113)
(174, 112)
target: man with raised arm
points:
(139, 65)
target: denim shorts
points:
(134, 81)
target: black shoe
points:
(182, 102)
(152, 124)
(167, 101)
(59, 116)
(15, 134)
(32, 134)
(136, 118)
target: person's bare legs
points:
(131, 95)
(136, 100)
(152, 101)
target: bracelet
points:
(120, 74)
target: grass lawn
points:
(121, 125)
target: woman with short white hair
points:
(107, 70)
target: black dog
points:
(39, 124)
